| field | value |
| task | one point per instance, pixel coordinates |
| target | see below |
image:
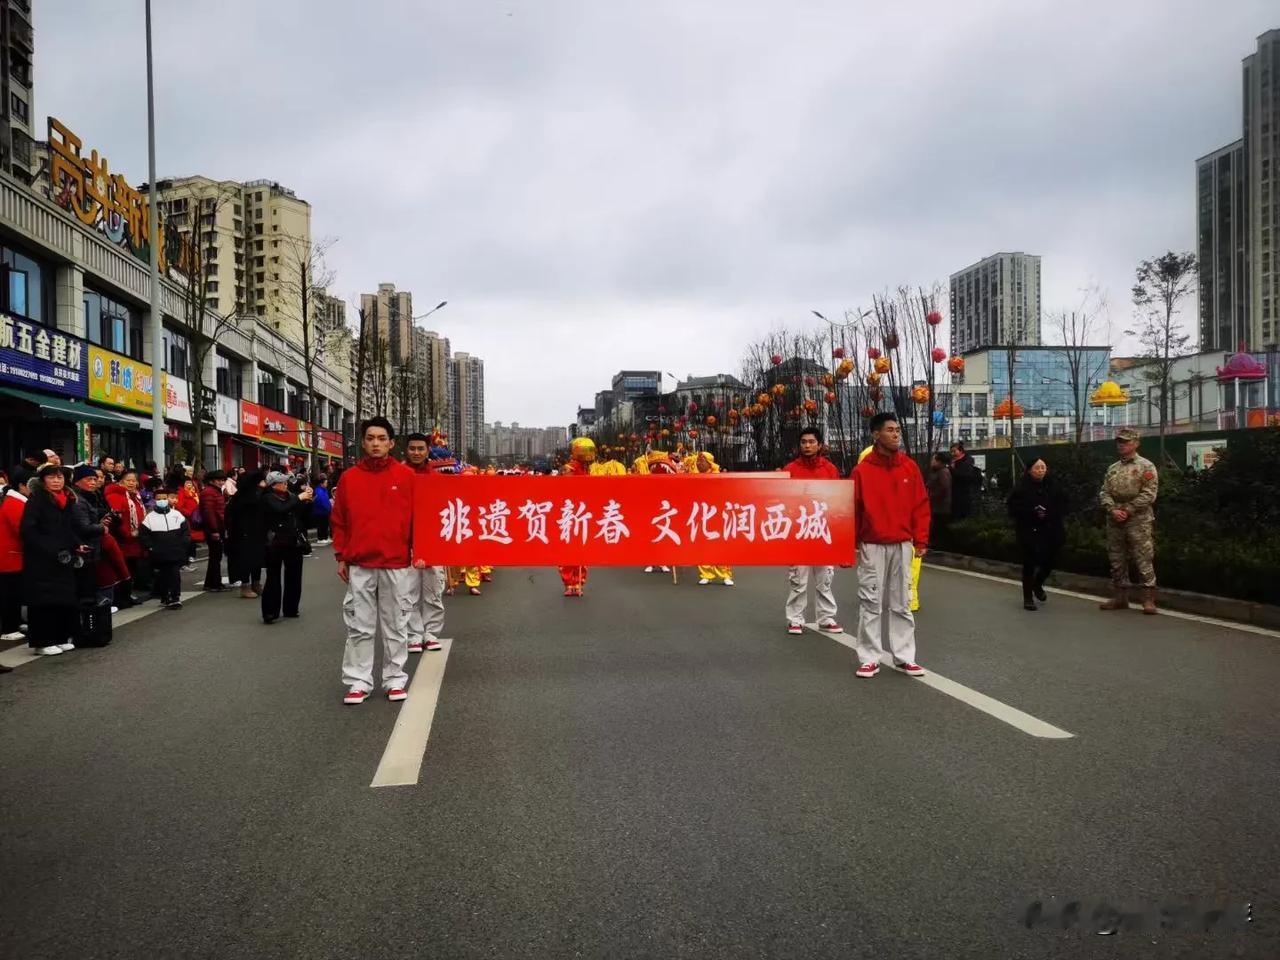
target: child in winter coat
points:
(167, 538)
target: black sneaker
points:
(1028, 604)
(1040, 594)
(173, 605)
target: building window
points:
(24, 285)
(177, 354)
(111, 324)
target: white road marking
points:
(979, 701)
(402, 760)
(1176, 614)
(21, 655)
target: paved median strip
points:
(979, 701)
(401, 762)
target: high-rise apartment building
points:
(254, 240)
(390, 312)
(433, 361)
(17, 109)
(1262, 169)
(996, 302)
(467, 417)
(330, 313)
(1221, 248)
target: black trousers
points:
(1038, 558)
(140, 572)
(168, 581)
(283, 590)
(50, 626)
(10, 601)
(213, 573)
(322, 528)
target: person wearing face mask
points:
(167, 538)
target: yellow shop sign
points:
(119, 380)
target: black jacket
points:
(49, 545)
(87, 512)
(166, 536)
(284, 519)
(1031, 528)
(246, 532)
(966, 481)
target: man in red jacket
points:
(811, 465)
(892, 509)
(213, 512)
(372, 524)
(426, 611)
(12, 505)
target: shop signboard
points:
(177, 400)
(329, 443)
(226, 414)
(48, 360)
(250, 419)
(119, 381)
(283, 429)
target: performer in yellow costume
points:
(654, 463)
(915, 561)
(582, 463)
(704, 462)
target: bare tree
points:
(1162, 284)
(304, 277)
(1078, 329)
(903, 328)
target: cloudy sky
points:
(598, 185)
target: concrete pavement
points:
(651, 771)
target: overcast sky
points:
(600, 184)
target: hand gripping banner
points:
(632, 521)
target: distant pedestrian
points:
(811, 465)
(285, 515)
(892, 510)
(51, 551)
(128, 513)
(966, 482)
(321, 508)
(1039, 510)
(187, 502)
(11, 509)
(1128, 495)
(372, 523)
(938, 484)
(167, 538)
(246, 541)
(213, 511)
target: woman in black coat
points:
(285, 515)
(1039, 511)
(51, 550)
(246, 544)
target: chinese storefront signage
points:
(34, 356)
(177, 400)
(226, 414)
(632, 521)
(119, 381)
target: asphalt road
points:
(652, 771)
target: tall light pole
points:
(157, 309)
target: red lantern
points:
(873, 353)
(938, 354)
(711, 421)
(838, 353)
(775, 359)
(891, 340)
(808, 381)
(693, 408)
(830, 397)
(933, 318)
(634, 438)
(956, 364)
(662, 409)
(693, 434)
(868, 411)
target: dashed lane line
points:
(1016, 718)
(401, 762)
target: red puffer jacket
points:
(10, 532)
(132, 513)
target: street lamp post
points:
(157, 308)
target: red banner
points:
(250, 419)
(633, 521)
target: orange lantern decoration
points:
(845, 368)
(762, 398)
(830, 397)
(766, 400)
(665, 432)
(956, 364)
(622, 436)
(811, 405)
(828, 380)
(711, 421)
(779, 389)
(883, 365)
(875, 393)
(1007, 409)
(873, 379)
(920, 394)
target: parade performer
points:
(916, 562)
(704, 462)
(426, 595)
(654, 463)
(582, 463)
(472, 576)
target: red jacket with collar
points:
(132, 513)
(11, 531)
(891, 501)
(372, 515)
(820, 469)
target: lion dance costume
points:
(582, 463)
(704, 462)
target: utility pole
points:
(157, 309)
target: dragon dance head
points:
(583, 449)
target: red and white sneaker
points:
(396, 694)
(432, 644)
(910, 669)
(831, 627)
(415, 646)
(795, 629)
(355, 695)
(867, 670)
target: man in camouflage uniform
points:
(1128, 493)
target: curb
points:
(1202, 604)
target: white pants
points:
(377, 600)
(426, 613)
(798, 599)
(884, 602)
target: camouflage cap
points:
(1128, 434)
